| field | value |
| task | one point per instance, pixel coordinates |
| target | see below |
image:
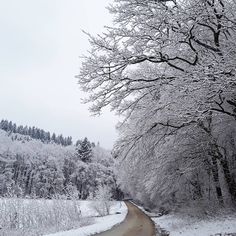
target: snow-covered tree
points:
(102, 200)
(84, 151)
(169, 68)
(30, 167)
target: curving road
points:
(136, 223)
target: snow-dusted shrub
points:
(102, 201)
(38, 215)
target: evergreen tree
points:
(47, 136)
(68, 141)
(14, 128)
(33, 132)
(10, 126)
(84, 151)
(4, 125)
(26, 130)
(53, 137)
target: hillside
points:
(30, 167)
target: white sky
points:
(40, 45)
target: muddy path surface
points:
(136, 223)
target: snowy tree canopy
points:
(169, 68)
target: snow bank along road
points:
(136, 223)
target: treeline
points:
(35, 133)
(35, 169)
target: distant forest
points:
(37, 165)
(35, 133)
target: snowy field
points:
(25, 217)
(188, 226)
(100, 223)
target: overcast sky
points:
(40, 45)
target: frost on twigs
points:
(169, 68)
(31, 216)
(101, 202)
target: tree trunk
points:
(230, 182)
(229, 179)
(216, 180)
(27, 183)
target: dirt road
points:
(136, 223)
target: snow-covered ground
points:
(31, 217)
(188, 226)
(101, 223)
